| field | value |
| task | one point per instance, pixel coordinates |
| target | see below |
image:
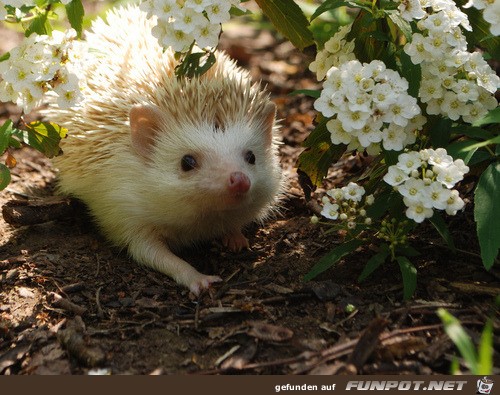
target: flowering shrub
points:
(179, 23)
(368, 104)
(399, 82)
(410, 104)
(425, 179)
(41, 64)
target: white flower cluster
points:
(180, 22)
(368, 104)
(455, 83)
(345, 204)
(12, 3)
(335, 52)
(425, 180)
(491, 13)
(18, 4)
(40, 64)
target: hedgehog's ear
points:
(145, 122)
(268, 116)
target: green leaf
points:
(492, 117)
(440, 131)
(487, 213)
(5, 133)
(442, 229)
(459, 337)
(314, 93)
(40, 25)
(402, 24)
(5, 56)
(43, 136)
(460, 150)
(75, 13)
(328, 5)
(383, 202)
(195, 64)
(411, 72)
(485, 351)
(374, 262)
(480, 35)
(407, 250)
(4, 176)
(391, 157)
(289, 20)
(409, 273)
(235, 11)
(492, 141)
(474, 132)
(320, 153)
(333, 257)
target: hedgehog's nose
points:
(239, 182)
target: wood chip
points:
(268, 332)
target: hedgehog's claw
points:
(235, 241)
(203, 282)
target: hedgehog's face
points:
(208, 169)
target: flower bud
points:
(314, 220)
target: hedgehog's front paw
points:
(235, 241)
(202, 282)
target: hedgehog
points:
(162, 162)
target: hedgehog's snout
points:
(238, 183)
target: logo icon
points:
(484, 385)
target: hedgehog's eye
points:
(250, 158)
(188, 163)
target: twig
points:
(100, 312)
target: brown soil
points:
(70, 303)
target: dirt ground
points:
(72, 304)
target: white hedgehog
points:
(163, 163)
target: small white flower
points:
(336, 193)
(412, 189)
(322, 63)
(395, 176)
(352, 120)
(453, 107)
(394, 138)
(411, 9)
(438, 157)
(416, 49)
(197, 5)
(429, 90)
(353, 192)
(383, 95)
(491, 14)
(449, 175)
(206, 34)
(338, 134)
(399, 113)
(435, 195)
(454, 203)
(409, 161)
(416, 211)
(370, 133)
(189, 20)
(218, 11)
(330, 210)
